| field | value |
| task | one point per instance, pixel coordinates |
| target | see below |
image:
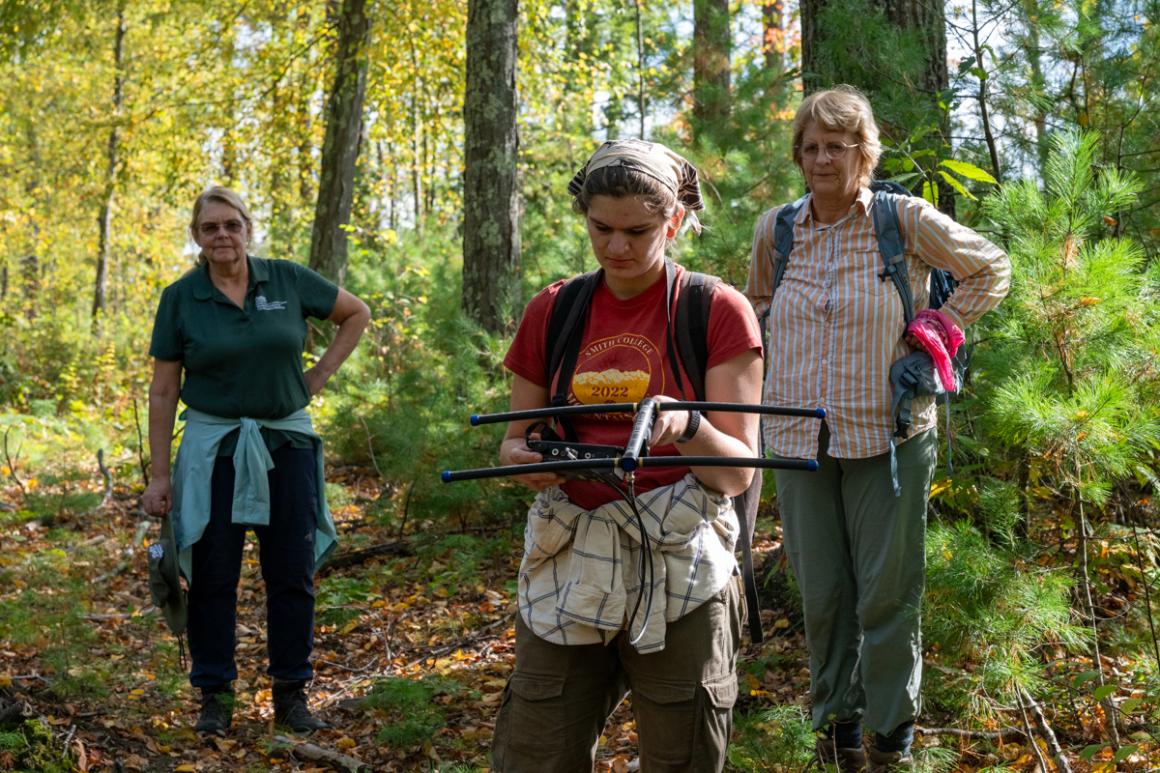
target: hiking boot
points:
(848, 760)
(291, 711)
(885, 762)
(217, 712)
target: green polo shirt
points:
(242, 362)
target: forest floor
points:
(413, 647)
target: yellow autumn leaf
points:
(185, 767)
(346, 743)
(939, 486)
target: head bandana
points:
(650, 158)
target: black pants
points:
(286, 552)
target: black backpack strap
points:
(890, 247)
(565, 329)
(690, 328)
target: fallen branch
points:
(140, 444)
(328, 757)
(1045, 731)
(355, 557)
(108, 476)
(1003, 734)
(131, 555)
(370, 664)
(11, 463)
(371, 448)
(484, 633)
(1030, 735)
(406, 508)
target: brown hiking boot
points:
(886, 762)
(848, 760)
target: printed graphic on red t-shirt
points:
(623, 368)
(623, 359)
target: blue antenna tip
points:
(446, 476)
(820, 413)
(475, 419)
(812, 465)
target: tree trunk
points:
(915, 92)
(491, 249)
(303, 118)
(711, 50)
(641, 109)
(926, 20)
(340, 148)
(416, 133)
(773, 34)
(112, 163)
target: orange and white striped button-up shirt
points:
(835, 327)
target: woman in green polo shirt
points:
(228, 340)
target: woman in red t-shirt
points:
(583, 637)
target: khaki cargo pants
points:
(559, 697)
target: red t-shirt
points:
(623, 359)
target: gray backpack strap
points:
(783, 241)
(890, 247)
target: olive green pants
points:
(559, 697)
(858, 554)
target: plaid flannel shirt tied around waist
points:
(580, 575)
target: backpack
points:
(687, 346)
(893, 252)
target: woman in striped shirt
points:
(854, 530)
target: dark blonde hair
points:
(220, 195)
(840, 109)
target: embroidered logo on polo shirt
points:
(261, 304)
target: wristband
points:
(691, 427)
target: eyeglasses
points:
(834, 150)
(230, 226)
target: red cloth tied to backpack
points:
(940, 338)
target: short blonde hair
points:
(221, 195)
(840, 109)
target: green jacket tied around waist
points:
(193, 471)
